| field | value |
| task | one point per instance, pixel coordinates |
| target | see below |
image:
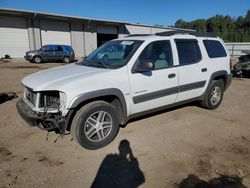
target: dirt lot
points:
(169, 149)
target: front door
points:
(49, 52)
(158, 87)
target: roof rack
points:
(139, 35)
(194, 33)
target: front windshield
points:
(113, 54)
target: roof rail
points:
(139, 35)
(194, 33)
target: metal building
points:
(21, 31)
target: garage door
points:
(54, 32)
(14, 39)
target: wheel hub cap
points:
(215, 95)
(98, 126)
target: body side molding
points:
(169, 91)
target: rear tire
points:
(214, 95)
(66, 59)
(95, 125)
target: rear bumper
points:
(44, 121)
(228, 81)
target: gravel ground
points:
(174, 148)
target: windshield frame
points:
(101, 63)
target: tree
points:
(199, 25)
(233, 30)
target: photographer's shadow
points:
(119, 170)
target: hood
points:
(31, 51)
(56, 78)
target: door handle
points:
(171, 75)
(204, 70)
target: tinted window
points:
(214, 48)
(68, 48)
(59, 48)
(188, 51)
(159, 53)
(50, 48)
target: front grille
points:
(31, 96)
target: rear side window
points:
(59, 48)
(188, 51)
(214, 48)
(68, 48)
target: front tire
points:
(37, 59)
(214, 95)
(95, 125)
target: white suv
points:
(125, 78)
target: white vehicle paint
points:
(173, 77)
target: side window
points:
(188, 51)
(159, 53)
(68, 48)
(214, 48)
(59, 48)
(50, 48)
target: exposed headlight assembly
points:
(52, 100)
(31, 54)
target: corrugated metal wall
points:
(235, 49)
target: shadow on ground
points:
(223, 181)
(119, 170)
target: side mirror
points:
(144, 66)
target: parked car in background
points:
(63, 53)
(242, 68)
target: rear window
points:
(68, 48)
(188, 51)
(214, 48)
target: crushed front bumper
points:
(28, 57)
(45, 121)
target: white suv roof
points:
(172, 34)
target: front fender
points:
(100, 93)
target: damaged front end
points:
(44, 109)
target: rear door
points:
(193, 69)
(59, 52)
(158, 87)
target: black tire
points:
(210, 100)
(66, 59)
(81, 126)
(37, 59)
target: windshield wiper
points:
(93, 63)
(102, 64)
(83, 62)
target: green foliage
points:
(230, 30)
